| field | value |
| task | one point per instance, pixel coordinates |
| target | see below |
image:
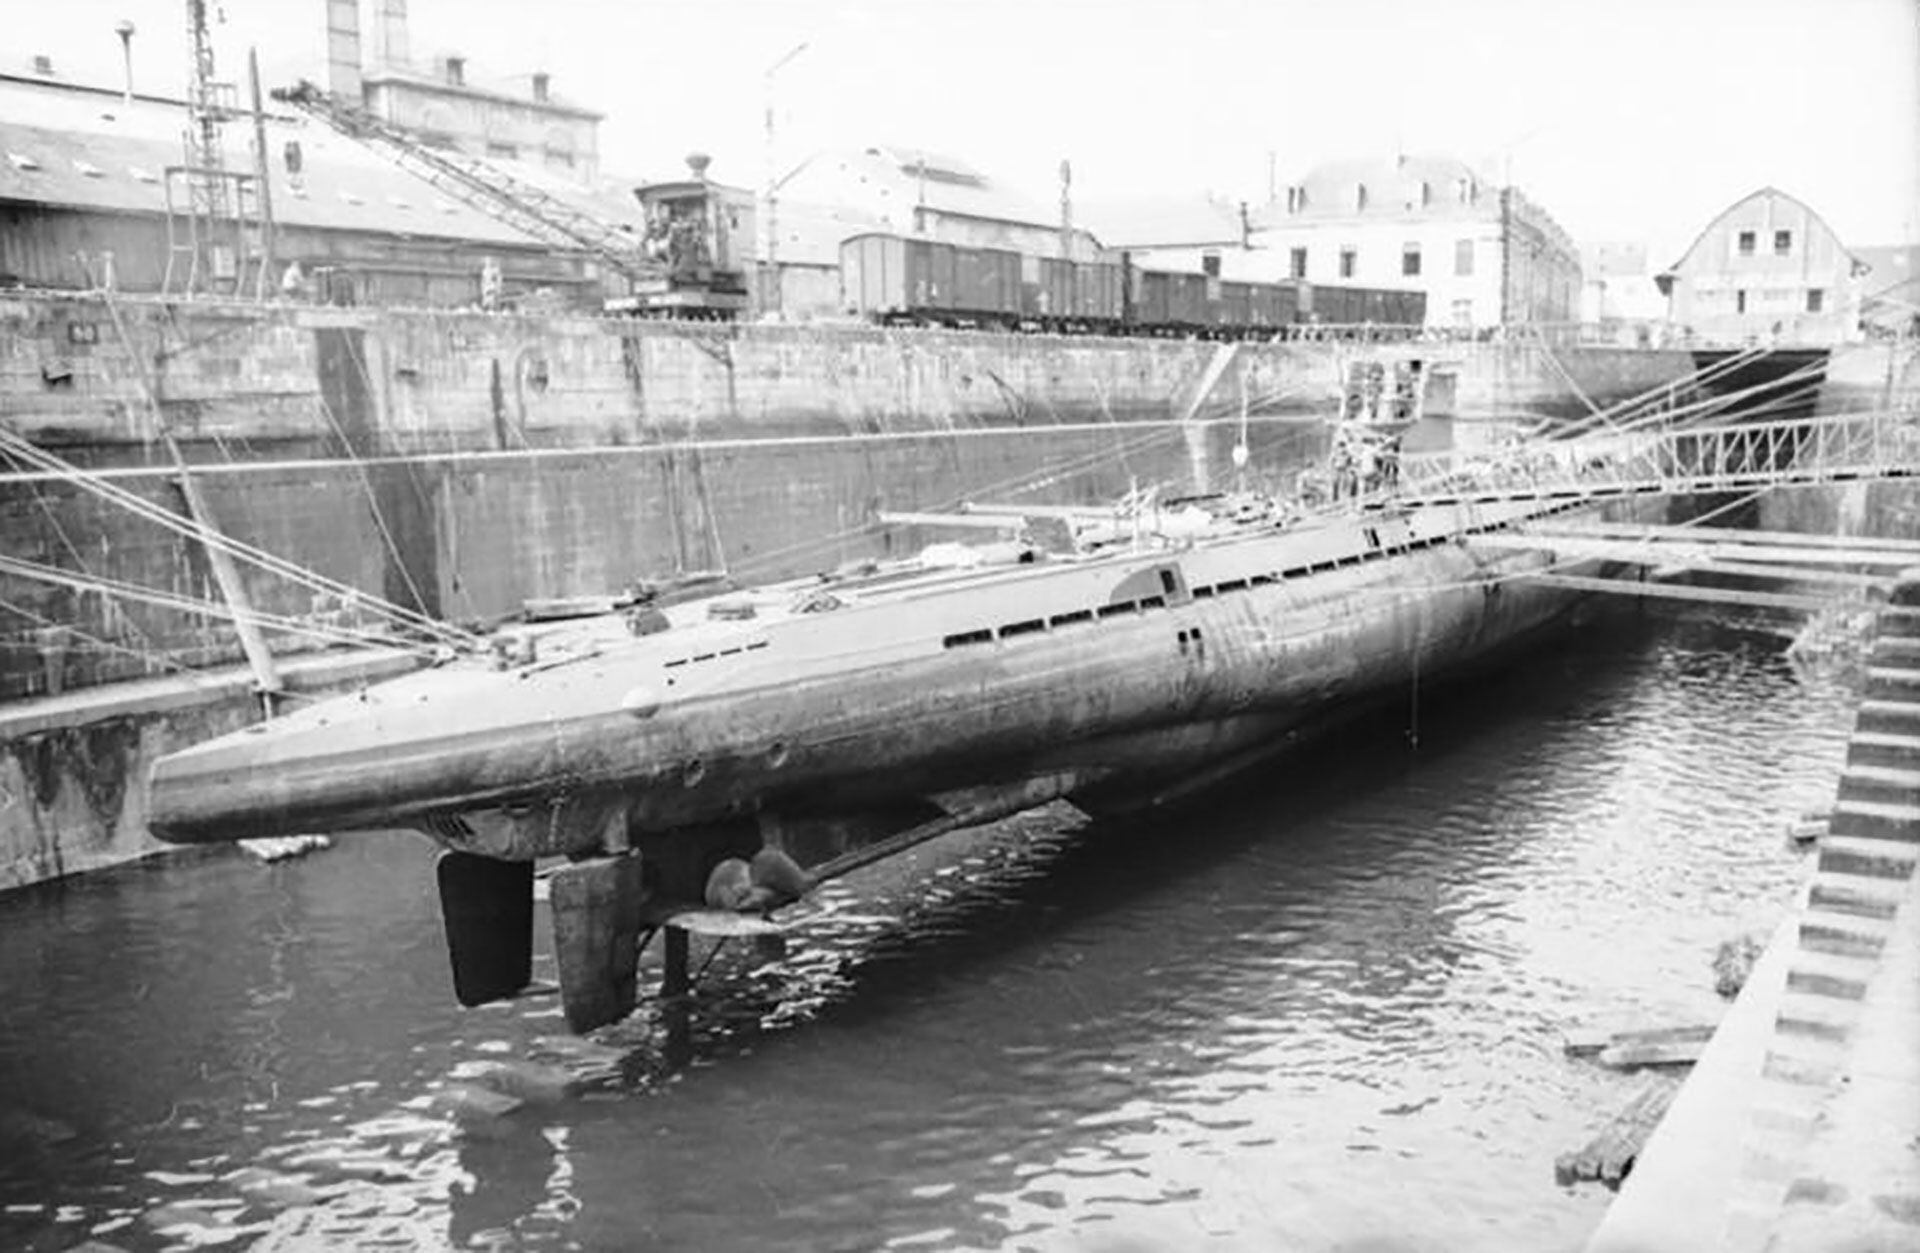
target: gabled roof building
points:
(1767, 267)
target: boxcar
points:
(1232, 305)
(1186, 301)
(1084, 293)
(890, 277)
(986, 287)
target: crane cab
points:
(701, 234)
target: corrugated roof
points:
(90, 150)
(822, 177)
(811, 234)
(1162, 222)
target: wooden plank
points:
(1795, 539)
(1610, 1154)
(1634, 1054)
(1668, 549)
(1592, 1041)
(709, 922)
(1680, 591)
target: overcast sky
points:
(1628, 119)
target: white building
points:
(1483, 254)
(1618, 290)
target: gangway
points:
(1688, 460)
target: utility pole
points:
(1066, 209)
(260, 175)
(770, 251)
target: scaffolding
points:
(215, 220)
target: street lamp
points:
(124, 29)
(770, 225)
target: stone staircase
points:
(1861, 899)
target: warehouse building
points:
(86, 201)
(1766, 268)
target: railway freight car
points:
(899, 279)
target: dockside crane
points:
(666, 274)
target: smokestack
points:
(390, 33)
(343, 50)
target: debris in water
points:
(1733, 962)
(1609, 1155)
(281, 847)
(1808, 828)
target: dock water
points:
(1799, 1128)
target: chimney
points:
(343, 49)
(43, 65)
(456, 71)
(390, 33)
(541, 82)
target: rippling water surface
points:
(1321, 1013)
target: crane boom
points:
(480, 186)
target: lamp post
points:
(124, 29)
(770, 217)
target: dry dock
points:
(1799, 1129)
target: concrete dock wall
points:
(73, 768)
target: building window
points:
(1740, 300)
(1426, 193)
(1210, 264)
(1746, 243)
(1360, 197)
(1815, 299)
(497, 149)
(1297, 264)
(1782, 243)
(1410, 260)
(1349, 262)
(1463, 256)
(1463, 313)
